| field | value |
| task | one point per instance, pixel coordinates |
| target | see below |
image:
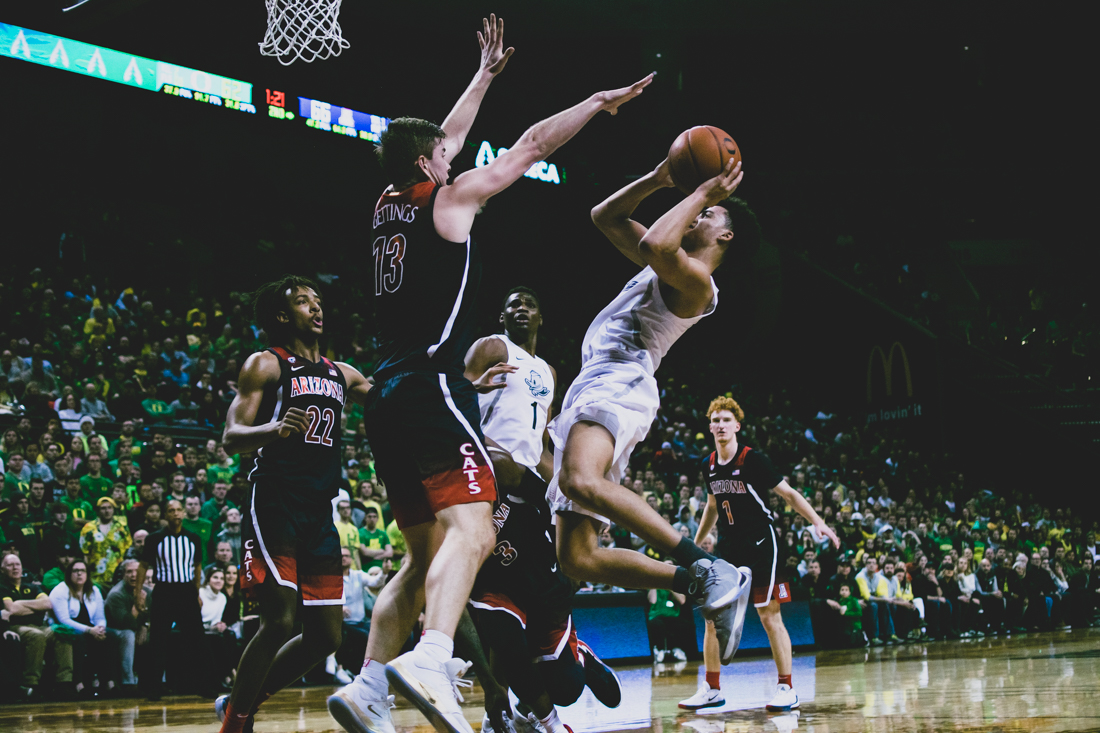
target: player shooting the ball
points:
(613, 401)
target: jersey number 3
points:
(316, 417)
(389, 269)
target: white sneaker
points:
(678, 655)
(785, 699)
(658, 655)
(220, 706)
(706, 697)
(432, 688)
(358, 710)
(330, 664)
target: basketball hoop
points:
(303, 29)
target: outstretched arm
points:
(612, 217)
(493, 58)
(457, 204)
(796, 501)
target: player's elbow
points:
(651, 248)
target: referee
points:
(175, 555)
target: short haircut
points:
(743, 223)
(269, 300)
(371, 510)
(726, 403)
(520, 289)
(403, 142)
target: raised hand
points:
(491, 38)
(722, 185)
(610, 101)
(294, 421)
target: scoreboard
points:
(131, 70)
(204, 87)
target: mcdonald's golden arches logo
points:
(888, 369)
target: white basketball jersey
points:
(637, 326)
(515, 417)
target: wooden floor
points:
(1037, 682)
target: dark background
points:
(903, 127)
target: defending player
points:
(737, 479)
(611, 404)
(440, 481)
(522, 601)
(287, 409)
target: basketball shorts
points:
(549, 637)
(292, 538)
(425, 432)
(761, 555)
(620, 396)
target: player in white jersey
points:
(610, 406)
(514, 418)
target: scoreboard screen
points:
(151, 75)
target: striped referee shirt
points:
(172, 556)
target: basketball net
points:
(302, 29)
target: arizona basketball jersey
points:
(425, 287)
(309, 462)
(515, 416)
(739, 488)
(637, 326)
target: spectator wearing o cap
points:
(104, 544)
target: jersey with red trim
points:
(425, 287)
(305, 462)
(524, 563)
(740, 489)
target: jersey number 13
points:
(388, 266)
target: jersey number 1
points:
(389, 269)
(315, 419)
(729, 514)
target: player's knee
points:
(579, 486)
(576, 562)
(326, 639)
(279, 624)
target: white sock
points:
(552, 723)
(373, 676)
(437, 645)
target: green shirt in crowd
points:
(376, 540)
(94, 489)
(204, 528)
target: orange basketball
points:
(700, 153)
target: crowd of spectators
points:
(111, 407)
(924, 555)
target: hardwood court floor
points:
(1037, 682)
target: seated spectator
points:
(231, 534)
(906, 617)
(349, 533)
(223, 558)
(192, 522)
(217, 506)
(224, 653)
(1083, 596)
(127, 622)
(25, 605)
(356, 623)
(185, 410)
(374, 543)
(104, 544)
(80, 510)
(874, 591)
(232, 613)
(937, 608)
(92, 406)
(991, 596)
(969, 600)
(81, 633)
(17, 479)
(21, 529)
(851, 618)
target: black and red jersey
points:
(303, 462)
(740, 490)
(425, 287)
(524, 563)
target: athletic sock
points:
(681, 581)
(373, 676)
(687, 552)
(437, 646)
(712, 680)
(785, 679)
(552, 723)
(233, 722)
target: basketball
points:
(700, 153)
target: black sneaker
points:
(600, 678)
